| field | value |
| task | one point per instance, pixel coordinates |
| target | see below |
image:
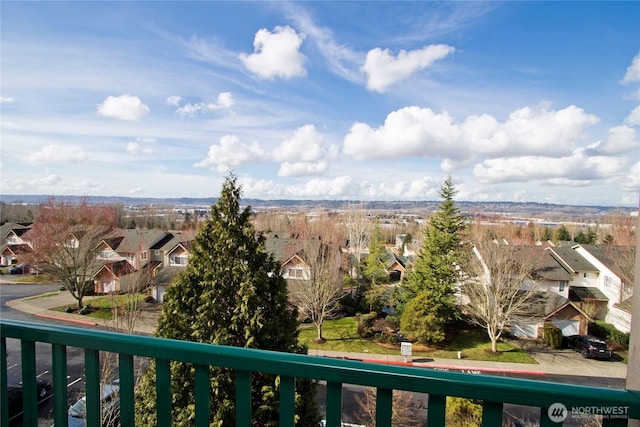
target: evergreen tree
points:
(563, 234)
(433, 276)
(231, 293)
(374, 268)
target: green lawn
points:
(103, 307)
(342, 335)
(32, 278)
(49, 294)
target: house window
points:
(179, 260)
(143, 256)
(585, 275)
(562, 286)
(294, 273)
(157, 252)
(104, 254)
(608, 281)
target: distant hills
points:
(509, 208)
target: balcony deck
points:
(494, 392)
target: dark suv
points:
(592, 348)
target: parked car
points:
(21, 268)
(14, 393)
(592, 348)
(109, 404)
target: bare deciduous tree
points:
(359, 228)
(498, 287)
(65, 239)
(317, 294)
(407, 411)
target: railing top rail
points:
(507, 390)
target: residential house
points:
(615, 280)
(289, 251)
(171, 252)
(115, 277)
(549, 279)
(13, 243)
(128, 260)
(132, 245)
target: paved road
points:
(75, 356)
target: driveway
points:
(570, 362)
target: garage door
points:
(524, 330)
(568, 327)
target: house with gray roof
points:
(12, 243)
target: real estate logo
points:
(557, 412)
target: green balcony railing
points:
(493, 392)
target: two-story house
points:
(615, 280)
(127, 260)
(171, 252)
(12, 243)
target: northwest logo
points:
(557, 412)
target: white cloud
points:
(140, 146)
(420, 132)
(47, 181)
(632, 181)
(578, 169)
(633, 118)
(337, 187)
(123, 107)
(322, 188)
(304, 153)
(620, 139)
(341, 59)
(540, 131)
(230, 153)
(410, 131)
(57, 154)
(173, 100)
(224, 101)
(135, 149)
(633, 71)
(6, 99)
(384, 70)
(276, 54)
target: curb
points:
(469, 369)
(466, 369)
(66, 319)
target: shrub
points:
(420, 320)
(607, 331)
(365, 324)
(463, 412)
(351, 304)
(552, 335)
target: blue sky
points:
(517, 101)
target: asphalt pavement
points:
(550, 362)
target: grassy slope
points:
(342, 335)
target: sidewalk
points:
(550, 362)
(42, 306)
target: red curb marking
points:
(455, 367)
(65, 319)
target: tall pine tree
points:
(433, 277)
(231, 293)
